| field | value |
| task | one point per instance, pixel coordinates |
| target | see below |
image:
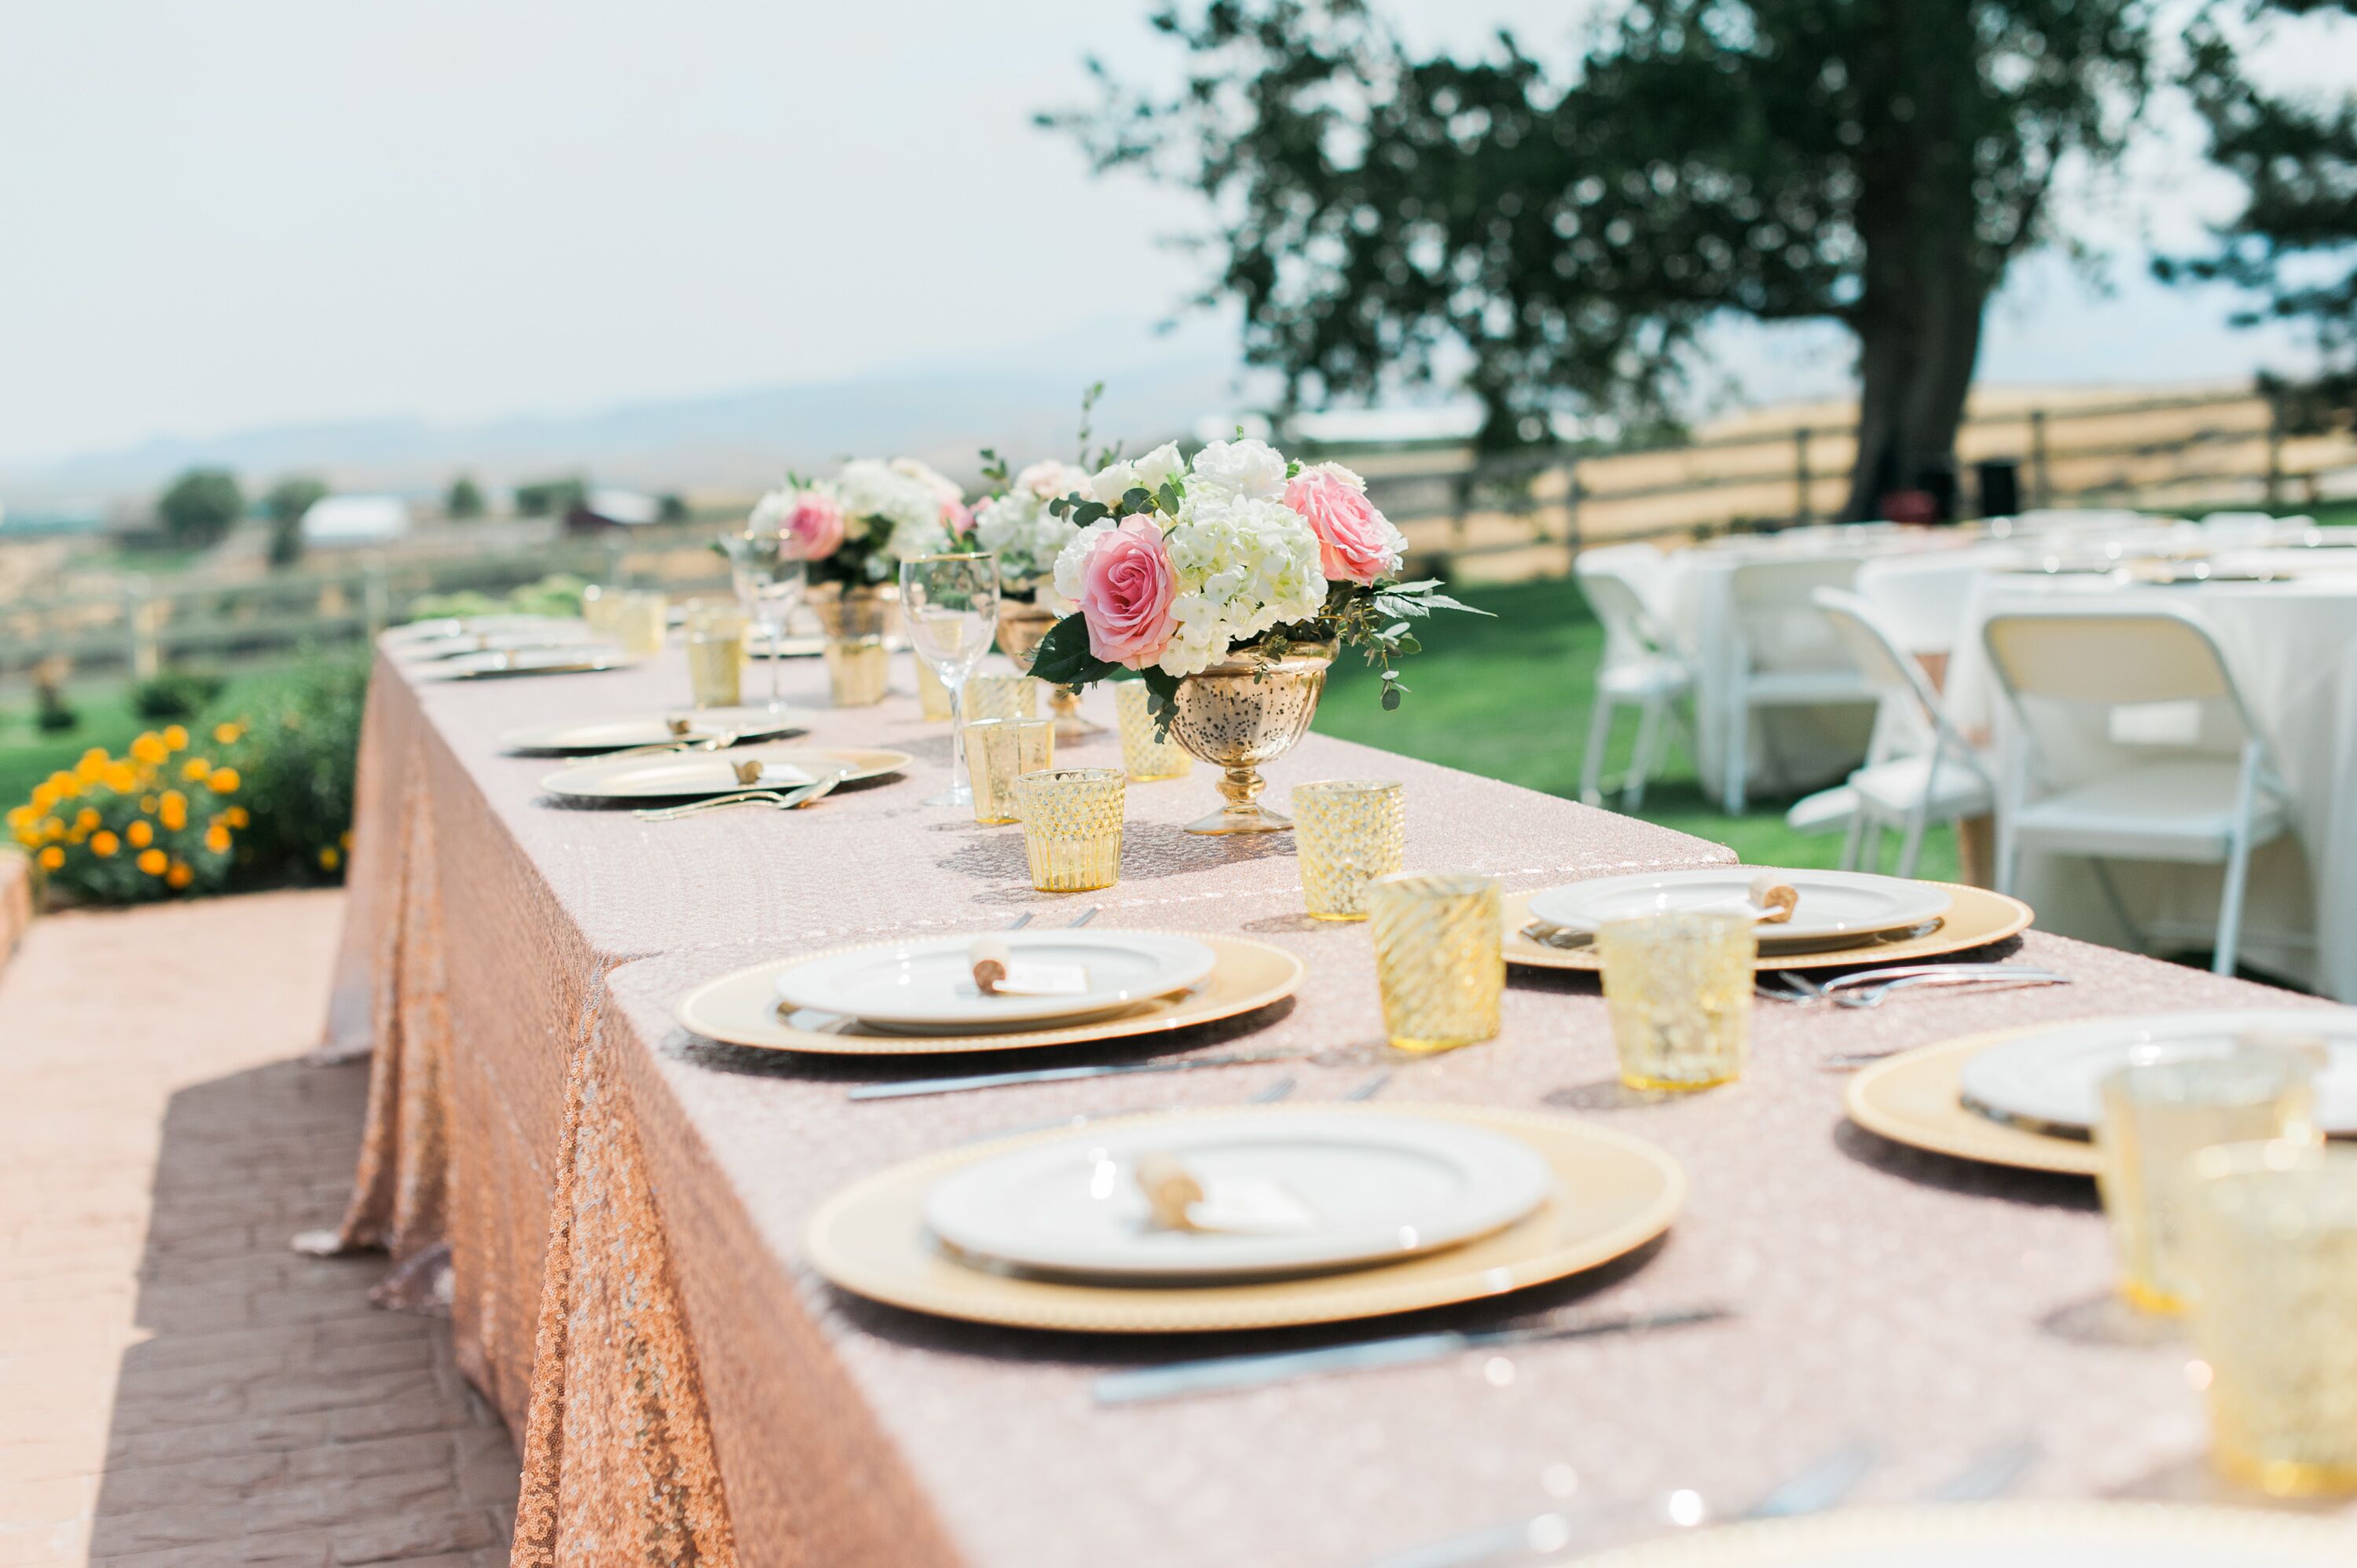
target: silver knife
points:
(1817, 1487)
(1053, 1075)
(1228, 1374)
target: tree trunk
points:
(1918, 343)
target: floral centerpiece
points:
(856, 528)
(1228, 584)
(1021, 525)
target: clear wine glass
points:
(769, 570)
(949, 605)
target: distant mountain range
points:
(727, 442)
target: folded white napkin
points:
(1238, 1205)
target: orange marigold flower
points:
(176, 738)
(139, 835)
(150, 748)
(235, 817)
(23, 817)
(345, 840)
(179, 876)
(46, 794)
(224, 780)
(93, 766)
(121, 778)
(154, 862)
(195, 768)
(228, 735)
(217, 838)
(330, 859)
(174, 810)
(52, 858)
(103, 843)
(86, 818)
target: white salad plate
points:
(555, 634)
(1374, 1188)
(2055, 1076)
(615, 735)
(929, 983)
(449, 627)
(563, 660)
(714, 772)
(1832, 903)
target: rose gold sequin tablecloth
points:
(537, 1162)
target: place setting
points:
(698, 729)
(692, 782)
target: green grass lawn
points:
(1510, 698)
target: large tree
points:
(2293, 246)
(1558, 237)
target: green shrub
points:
(176, 694)
(288, 501)
(466, 498)
(202, 505)
(298, 758)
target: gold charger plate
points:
(741, 1009)
(1614, 1193)
(677, 774)
(1976, 917)
(1916, 1099)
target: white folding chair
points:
(1922, 599)
(1920, 770)
(1779, 652)
(2171, 767)
(1642, 667)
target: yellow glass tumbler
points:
(2157, 1117)
(1439, 959)
(1348, 832)
(2272, 1261)
(997, 753)
(638, 623)
(1677, 986)
(1145, 756)
(716, 655)
(1071, 826)
(1002, 697)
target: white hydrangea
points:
(1024, 534)
(1161, 464)
(1243, 470)
(1244, 566)
(903, 510)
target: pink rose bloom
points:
(1128, 587)
(817, 522)
(1355, 542)
(956, 516)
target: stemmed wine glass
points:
(949, 605)
(768, 570)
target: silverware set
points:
(783, 800)
(1872, 987)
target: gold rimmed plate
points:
(1917, 1099)
(678, 774)
(1612, 1193)
(1976, 917)
(655, 729)
(742, 1009)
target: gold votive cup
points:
(1348, 832)
(1440, 960)
(715, 654)
(1071, 826)
(858, 671)
(2157, 1117)
(1145, 756)
(1000, 751)
(1677, 986)
(2271, 1250)
(932, 696)
(598, 604)
(1002, 697)
(639, 625)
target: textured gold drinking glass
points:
(638, 623)
(1145, 756)
(2272, 1260)
(933, 697)
(2157, 1117)
(1002, 697)
(1349, 832)
(1000, 751)
(1678, 988)
(715, 654)
(1071, 826)
(598, 604)
(1440, 960)
(859, 670)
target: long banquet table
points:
(612, 1208)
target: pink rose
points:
(957, 517)
(1355, 542)
(815, 521)
(1128, 587)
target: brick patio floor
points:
(177, 1386)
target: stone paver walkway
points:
(177, 1386)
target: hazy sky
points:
(237, 214)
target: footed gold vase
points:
(1021, 627)
(1243, 712)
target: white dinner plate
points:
(1832, 903)
(2055, 1076)
(652, 730)
(555, 634)
(929, 983)
(1379, 1188)
(713, 773)
(532, 662)
(476, 625)
(2010, 1534)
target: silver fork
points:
(1083, 919)
(784, 800)
(1875, 995)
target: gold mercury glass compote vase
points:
(1243, 711)
(1021, 627)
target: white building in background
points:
(344, 520)
(627, 509)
